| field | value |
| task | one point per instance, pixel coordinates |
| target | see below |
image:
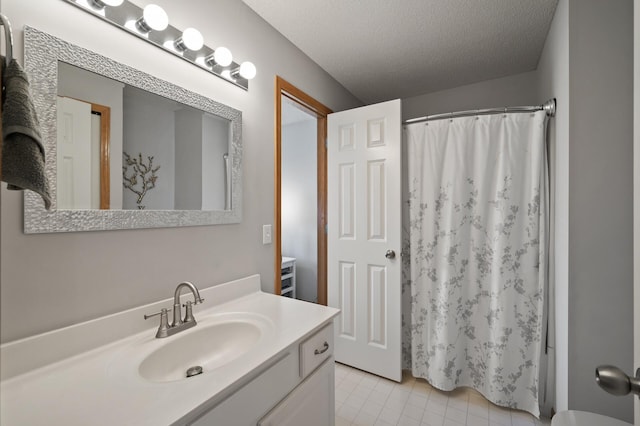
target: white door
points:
(95, 160)
(74, 154)
(364, 223)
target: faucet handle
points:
(188, 316)
(197, 302)
(163, 329)
(162, 311)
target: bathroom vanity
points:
(266, 360)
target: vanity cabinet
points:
(296, 388)
(285, 372)
(249, 403)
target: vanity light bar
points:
(152, 25)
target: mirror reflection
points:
(121, 147)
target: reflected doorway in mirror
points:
(83, 155)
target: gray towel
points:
(22, 149)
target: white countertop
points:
(102, 387)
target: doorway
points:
(83, 168)
(292, 101)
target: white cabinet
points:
(311, 403)
(250, 402)
(288, 277)
(296, 388)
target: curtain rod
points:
(549, 107)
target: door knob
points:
(390, 254)
(616, 382)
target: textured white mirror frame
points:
(42, 52)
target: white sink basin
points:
(211, 344)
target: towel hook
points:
(8, 39)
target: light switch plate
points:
(266, 234)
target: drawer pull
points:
(325, 347)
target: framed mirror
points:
(126, 150)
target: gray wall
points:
(149, 129)
(600, 200)
(299, 204)
(54, 280)
(553, 75)
(188, 159)
(513, 90)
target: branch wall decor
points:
(145, 172)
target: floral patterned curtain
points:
(476, 270)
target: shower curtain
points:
(476, 269)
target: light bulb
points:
(153, 18)
(223, 56)
(247, 70)
(190, 39)
(112, 3)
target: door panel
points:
(377, 292)
(347, 201)
(347, 299)
(364, 222)
(74, 155)
(376, 180)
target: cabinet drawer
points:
(286, 283)
(316, 349)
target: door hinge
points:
(326, 228)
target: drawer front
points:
(315, 350)
(286, 283)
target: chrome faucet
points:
(179, 324)
(188, 317)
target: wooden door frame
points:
(284, 88)
(105, 153)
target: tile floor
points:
(368, 400)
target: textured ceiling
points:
(387, 49)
